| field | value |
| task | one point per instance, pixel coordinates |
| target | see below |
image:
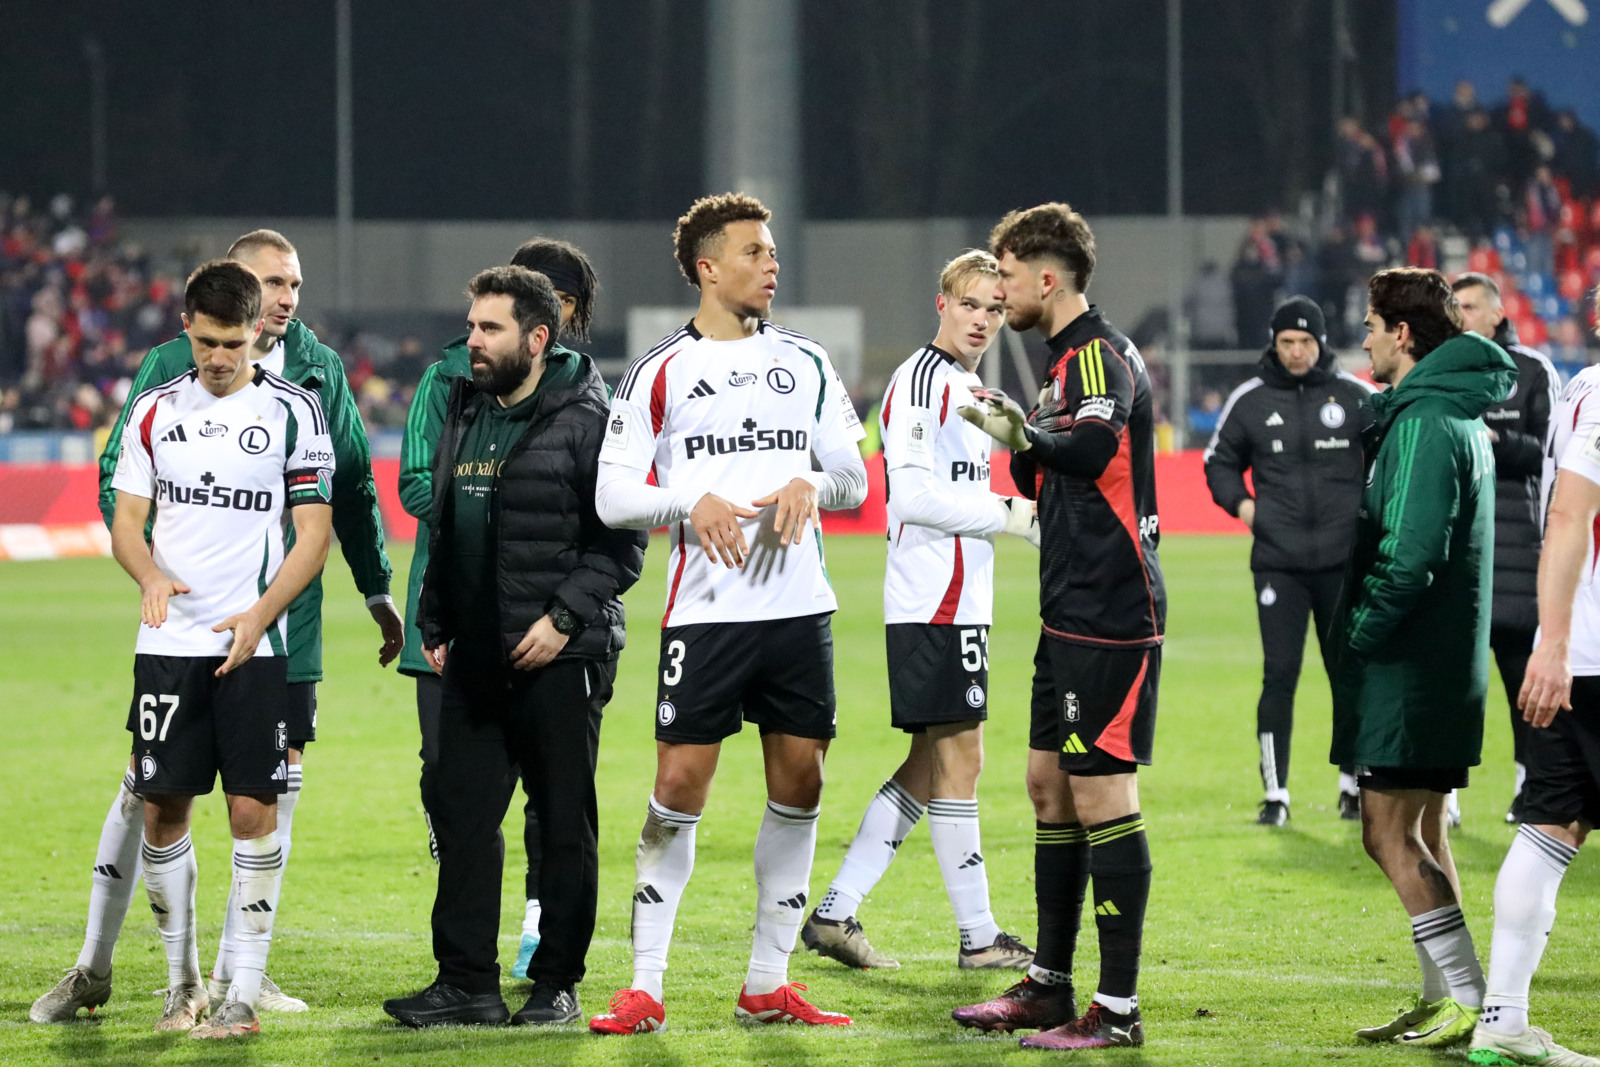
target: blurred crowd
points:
(78, 311)
(1511, 189)
(80, 308)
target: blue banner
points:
(1550, 43)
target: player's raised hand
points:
(797, 505)
(1547, 684)
(716, 521)
(153, 598)
(538, 646)
(998, 416)
(393, 628)
(247, 631)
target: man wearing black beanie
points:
(1297, 425)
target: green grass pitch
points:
(1263, 946)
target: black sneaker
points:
(443, 1005)
(1350, 806)
(550, 1002)
(1273, 813)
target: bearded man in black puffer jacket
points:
(522, 588)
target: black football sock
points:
(1119, 857)
(1061, 880)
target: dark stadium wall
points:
(910, 108)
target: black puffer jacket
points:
(1521, 426)
(1301, 437)
(552, 547)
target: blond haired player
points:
(938, 603)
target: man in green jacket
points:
(1411, 662)
(574, 280)
(285, 347)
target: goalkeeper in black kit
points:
(1086, 452)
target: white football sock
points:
(530, 919)
(888, 820)
(1524, 911)
(1434, 987)
(662, 866)
(785, 846)
(257, 884)
(170, 873)
(116, 873)
(1044, 976)
(228, 940)
(286, 804)
(953, 827)
(1120, 1005)
(1443, 933)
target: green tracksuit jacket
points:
(416, 478)
(308, 363)
(1411, 655)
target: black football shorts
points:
(938, 673)
(775, 673)
(1094, 706)
(189, 726)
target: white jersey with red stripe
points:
(740, 419)
(934, 576)
(222, 473)
(1575, 443)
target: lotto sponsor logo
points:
(213, 429)
(210, 494)
(737, 379)
(753, 440)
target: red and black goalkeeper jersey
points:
(1092, 469)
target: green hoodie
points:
(1411, 657)
(309, 363)
(423, 423)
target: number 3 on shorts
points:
(148, 726)
(673, 674)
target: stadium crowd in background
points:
(1517, 180)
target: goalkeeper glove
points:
(998, 416)
(1022, 519)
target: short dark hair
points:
(1053, 230)
(224, 291)
(569, 271)
(1467, 279)
(262, 238)
(1420, 298)
(533, 298)
(700, 228)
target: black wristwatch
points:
(565, 622)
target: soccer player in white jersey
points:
(938, 603)
(1560, 702)
(728, 412)
(221, 453)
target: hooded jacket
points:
(1301, 438)
(423, 423)
(1411, 653)
(1521, 426)
(551, 547)
(312, 365)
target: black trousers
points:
(1284, 602)
(430, 690)
(1512, 646)
(493, 719)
